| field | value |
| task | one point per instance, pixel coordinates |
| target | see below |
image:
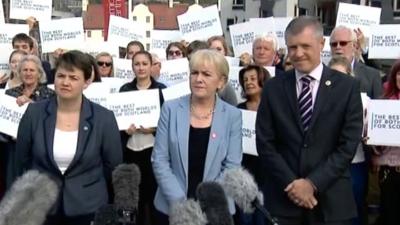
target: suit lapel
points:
(49, 126)
(183, 126)
(291, 94)
(217, 132)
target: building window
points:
(134, 18)
(238, 4)
(396, 5)
(89, 33)
(229, 22)
(147, 19)
(147, 33)
(147, 47)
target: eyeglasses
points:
(107, 64)
(341, 43)
(177, 53)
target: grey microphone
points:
(187, 212)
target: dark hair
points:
(22, 37)
(11, 55)
(146, 53)
(297, 25)
(391, 88)
(76, 59)
(262, 76)
(178, 45)
(95, 67)
(137, 43)
(196, 45)
(220, 39)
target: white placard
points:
(384, 122)
(10, 115)
(63, 33)
(114, 83)
(123, 69)
(176, 91)
(280, 27)
(242, 37)
(232, 61)
(97, 92)
(141, 108)
(1, 13)
(200, 24)
(160, 40)
(249, 132)
(174, 71)
(384, 42)
(95, 47)
(326, 54)
(234, 82)
(265, 25)
(39, 9)
(121, 31)
(4, 57)
(8, 31)
(357, 16)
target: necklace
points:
(201, 117)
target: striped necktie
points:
(305, 101)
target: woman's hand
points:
(131, 130)
(21, 100)
(146, 130)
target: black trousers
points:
(389, 182)
(69, 220)
(308, 218)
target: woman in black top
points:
(138, 141)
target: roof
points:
(93, 18)
(165, 18)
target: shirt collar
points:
(316, 73)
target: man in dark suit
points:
(343, 41)
(308, 126)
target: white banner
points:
(160, 40)
(174, 71)
(384, 42)
(249, 132)
(234, 82)
(97, 92)
(141, 108)
(1, 13)
(242, 37)
(357, 16)
(39, 9)
(121, 31)
(63, 33)
(200, 24)
(176, 91)
(123, 69)
(95, 47)
(384, 122)
(326, 51)
(114, 83)
(10, 115)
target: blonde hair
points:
(37, 62)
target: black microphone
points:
(239, 184)
(29, 200)
(213, 202)
(187, 212)
(125, 180)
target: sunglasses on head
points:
(177, 53)
(341, 43)
(107, 64)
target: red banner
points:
(113, 7)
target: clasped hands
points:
(133, 129)
(301, 192)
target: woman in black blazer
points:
(73, 140)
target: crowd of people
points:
(313, 161)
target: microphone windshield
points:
(29, 200)
(187, 213)
(213, 202)
(239, 184)
(126, 180)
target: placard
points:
(174, 71)
(357, 16)
(10, 115)
(326, 54)
(97, 92)
(160, 40)
(39, 9)
(4, 57)
(242, 37)
(232, 61)
(141, 108)
(176, 91)
(123, 69)
(114, 83)
(280, 27)
(249, 132)
(384, 42)
(234, 82)
(200, 24)
(265, 25)
(384, 122)
(1, 13)
(95, 47)
(121, 31)
(63, 33)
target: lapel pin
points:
(85, 128)
(213, 135)
(328, 83)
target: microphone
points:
(187, 212)
(239, 184)
(213, 202)
(29, 200)
(125, 180)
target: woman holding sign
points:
(139, 141)
(198, 135)
(73, 140)
(386, 161)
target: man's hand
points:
(301, 192)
